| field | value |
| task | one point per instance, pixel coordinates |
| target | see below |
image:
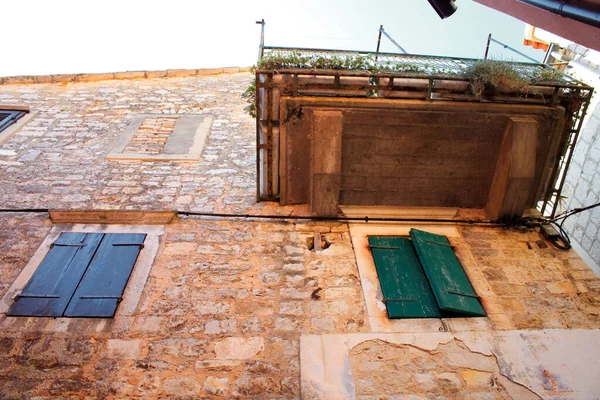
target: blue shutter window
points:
(103, 284)
(9, 117)
(83, 275)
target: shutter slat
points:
(404, 285)
(451, 287)
(102, 286)
(50, 288)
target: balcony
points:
(339, 128)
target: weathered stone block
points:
(477, 378)
(123, 348)
(179, 248)
(239, 348)
(565, 287)
(184, 386)
(216, 386)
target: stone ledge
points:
(66, 78)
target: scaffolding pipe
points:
(381, 30)
(512, 49)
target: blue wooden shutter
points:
(451, 287)
(404, 285)
(50, 288)
(102, 286)
(9, 117)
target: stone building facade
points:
(247, 307)
(582, 184)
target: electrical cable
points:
(338, 219)
(296, 217)
(560, 239)
(574, 211)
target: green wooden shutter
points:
(102, 286)
(49, 290)
(404, 285)
(451, 287)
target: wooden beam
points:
(514, 177)
(124, 217)
(326, 163)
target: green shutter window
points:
(404, 285)
(451, 287)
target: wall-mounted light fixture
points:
(444, 8)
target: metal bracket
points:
(37, 296)
(440, 244)
(383, 247)
(399, 301)
(474, 296)
(118, 298)
(67, 245)
(129, 244)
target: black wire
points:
(294, 217)
(574, 211)
(563, 241)
(339, 219)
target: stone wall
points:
(60, 154)
(221, 314)
(458, 373)
(525, 283)
(227, 301)
(582, 187)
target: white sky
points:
(65, 36)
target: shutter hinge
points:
(383, 247)
(118, 298)
(67, 245)
(463, 294)
(440, 244)
(37, 296)
(399, 300)
(129, 244)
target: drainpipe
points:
(582, 12)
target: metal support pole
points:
(487, 46)
(378, 40)
(262, 39)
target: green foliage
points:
(546, 75)
(295, 60)
(250, 96)
(486, 74)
